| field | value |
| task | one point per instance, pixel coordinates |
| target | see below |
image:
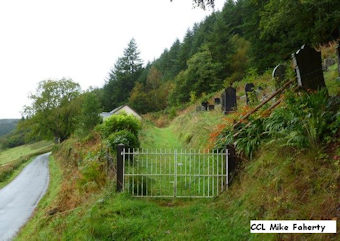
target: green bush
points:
(118, 123)
(123, 137)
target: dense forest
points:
(246, 36)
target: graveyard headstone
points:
(308, 68)
(205, 105)
(249, 88)
(223, 96)
(229, 100)
(279, 74)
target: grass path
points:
(154, 137)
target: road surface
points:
(19, 198)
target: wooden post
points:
(120, 167)
(232, 159)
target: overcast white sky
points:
(80, 39)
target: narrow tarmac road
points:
(19, 198)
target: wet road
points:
(19, 198)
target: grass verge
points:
(16, 159)
(43, 211)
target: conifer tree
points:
(122, 77)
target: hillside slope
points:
(7, 125)
(84, 206)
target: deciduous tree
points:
(54, 109)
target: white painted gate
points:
(174, 173)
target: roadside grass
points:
(16, 159)
(40, 216)
(9, 172)
(12, 154)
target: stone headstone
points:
(279, 74)
(308, 68)
(229, 100)
(205, 105)
(217, 101)
(328, 62)
(211, 107)
(250, 87)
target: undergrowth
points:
(305, 120)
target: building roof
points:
(116, 111)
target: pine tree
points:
(122, 77)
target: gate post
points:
(231, 160)
(120, 167)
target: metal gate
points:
(172, 173)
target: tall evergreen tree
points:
(122, 77)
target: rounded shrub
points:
(120, 122)
(123, 137)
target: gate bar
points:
(120, 167)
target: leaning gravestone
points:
(211, 107)
(279, 74)
(249, 88)
(205, 105)
(308, 68)
(229, 100)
